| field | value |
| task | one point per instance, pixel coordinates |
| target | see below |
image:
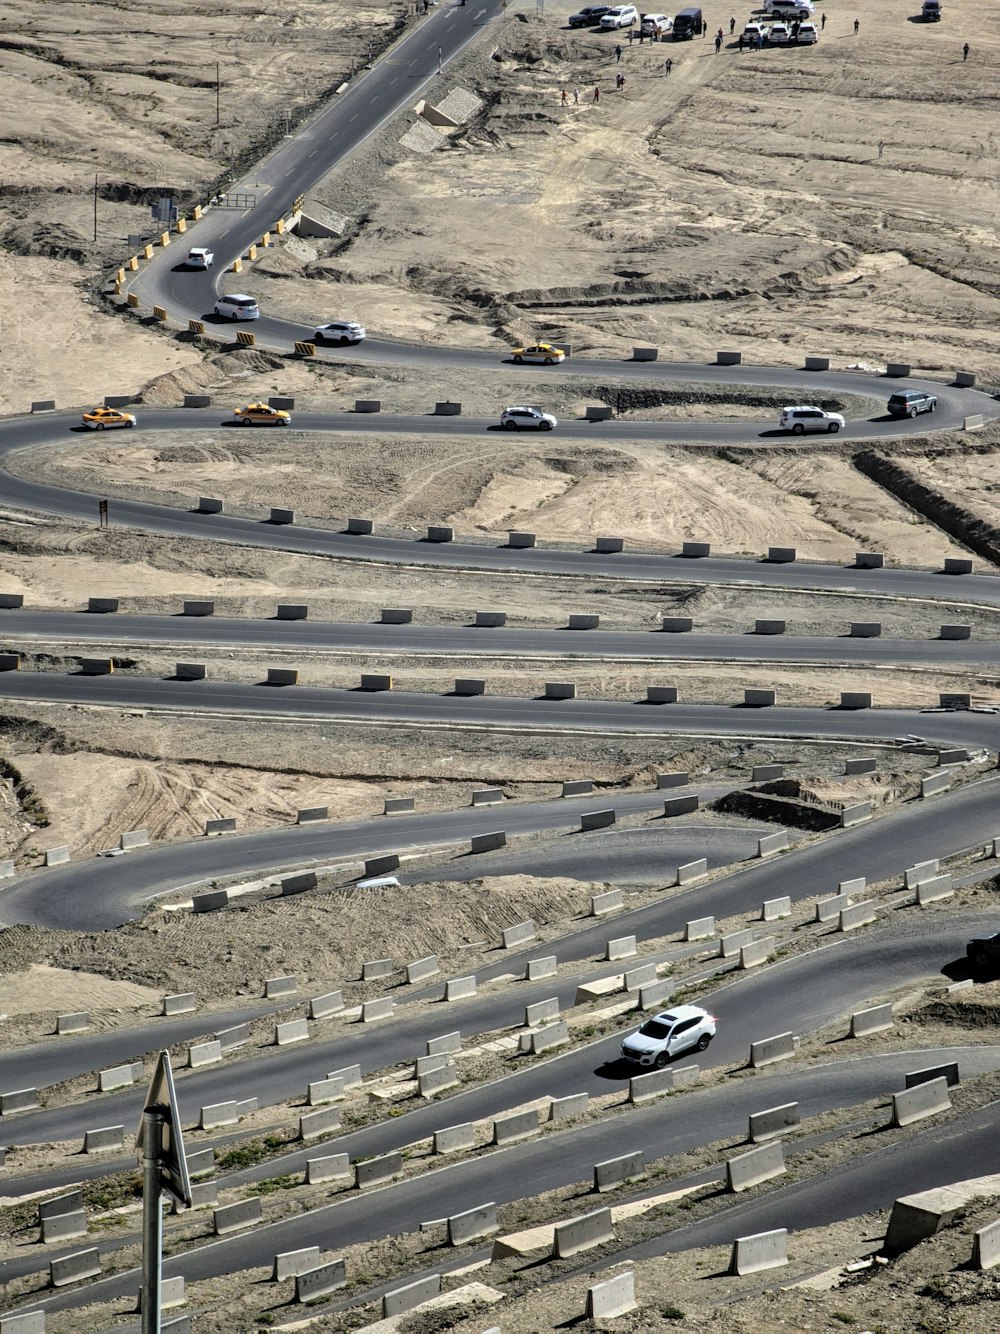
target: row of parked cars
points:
(621, 16)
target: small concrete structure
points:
(304, 881)
(772, 843)
(487, 796)
(377, 1170)
(560, 690)
(661, 694)
(360, 527)
(924, 1099)
(287, 985)
(403, 1299)
(334, 1167)
(233, 1217)
(765, 773)
(460, 988)
(985, 1247)
(699, 928)
(295, 1030)
(538, 969)
(696, 550)
(691, 871)
(488, 842)
(916, 1217)
(757, 1165)
(289, 1263)
(455, 1139)
(677, 625)
(573, 1104)
(596, 819)
(614, 1171)
(769, 1050)
(515, 1126)
(852, 815)
(859, 914)
(674, 806)
(520, 540)
(582, 1234)
(421, 969)
(204, 1053)
(322, 1007)
(491, 619)
(473, 1224)
(19, 1100)
(104, 1140)
(72, 1268)
(396, 615)
(763, 1250)
(555, 1035)
(520, 934)
(759, 699)
(373, 1010)
(781, 555)
(73, 1023)
(622, 947)
(680, 778)
(610, 901)
(874, 1020)
(865, 630)
(470, 685)
(613, 1297)
(440, 532)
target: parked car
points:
(666, 1035)
(340, 331)
(656, 23)
(239, 306)
(101, 419)
(807, 35)
(200, 258)
(262, 414)
(755, 31)
(620, 16)
(779, 34)
(688, 23)
(791, 9)
(909, 402)
(809, 418)
(543, 353)
(515, 419)
(984, 950)
(588, 15)
(930, 11)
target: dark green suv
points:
(910, 402)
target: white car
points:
(791, 9)
(666, 1035)
(238, 306)
(779, 34)
(621, 16)
(808, 34)
(514, 419)
(656, 23)
(754, 31)
(807, 417)
(340, 331)
(200, 258)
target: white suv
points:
(809, 418)
(200, 258)
(340, 331)
(238, 306)
(666, 1035)
(791, 9)
(622, 16)
(513, 419)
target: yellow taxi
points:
(542, 353)
(100, 419)
(262, 414)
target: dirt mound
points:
(46, 240)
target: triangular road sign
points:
(162, 1097)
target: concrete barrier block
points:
(230, 1039)
(282, 676)
(104, 1139)
(728, 358)
(520, 934)
(677, 625)
(541, 1012)
(376, 866)
(455, 1139)
(612, 1297)
(62, 1227)
(645, 353)
(897, 370)
(30, 1322)
(232, 1217)
(769, 1050)
(577, 787)
(487, 842)
(298, 884)
(869, 560)
(445, 1044)
(622, 947)
(772, 843)
(190, 671)
(924, 1099)
(772, 910)
(289, 1263)
(817, 363)
(7, 869)
(367, 405)
(937, 783)
(224, 825)
(218, 1114)
(573, 1104)
(757, 1165)
(398, 805)
(421, 969)
(103, 606)
(661, 694)
(613, 1172)
(119, 1077)
(491, 619)
(10, 662)
(762, 1250)
(19, 1100)
(649, 1087)
(360, 527)
(43, 405)
(459, 988)
(597, 412)
(859, 914)
(956, 755)
(520, 540)
(756, 953)
(439, 532)
(435, 1081)
(759, 699)
(207, 504)
(858, 814)
(956, 632)
(855, 699)
(769, 627)
(829, 910)
(699, 928)
(57, 856)
(583, 621)
(538, 969)
(696, 550)
(954, 700)
(322, 1091)
(411, 1295)
(396, 615)
(11, 601)
(447, 409)
(731, 944)
(473, 1224)
(986, 1247)
(654, 995)
(554, 1035)
(582, 1234)
(192, 608)
(73, 1023)
(295, 1030)
(873, 1020)
(372, 1011)
(313, 1284)
(515, 1126)
(313, 1125)
(637, 978)
(211, 901)
(674, 806)
(948, 1072)
(764, 773)
(957, 565)
(375, 1171)
(691, 871)
(865, 630)
(609, 546)
(487, 796)
(610, 901)
(70, 1203)
(597, 819)
(680, 778)
(470, 685)
(286, 985)
(965, 379)
(560, 690)
(933, 891)
(773, 1122)
(781, 555)
(292, 611)
(334, 1167)
(204, 1195)
(72, 1268)
(204, 1053)
(281, 515)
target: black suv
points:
(984, 950)
(909, 403)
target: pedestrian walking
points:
(621, 86)
(965, 52)
(741, 43)
(618, 81)
(631, 34)
(718, 44)
(732, 26)
(597, 94)
(857, 26)
(704, 27)
(564, 97)
(881, 149)
(822, 22)
(668, 65)
(576, 97)
(618, 55)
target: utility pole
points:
(217, 93)
(152, 1219)
(95, 205)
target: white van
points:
(791, 9)
(238, 306)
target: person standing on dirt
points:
(621, 86)
(704, 27)
(576, 97)
(881, 149)
(741, 43)
(618, 55)
(822, 22)
(718, 43)
(732, 26)
(597, 94)
(668, 65)
(965, 52)
(857, 26)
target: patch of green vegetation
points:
(271, 1184)
(670, 1312)
(250, 1153)
(113, 1192)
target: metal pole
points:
(95, 205)
(152, 1220)
(217, 92)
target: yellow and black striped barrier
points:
(305, 349)
(133, 300)
(133, 263)
(246, 339)
(197, 212)
(164, 238)
(196, 327)
(147, 252)
(252, 252)
(237, 265)
(279, 226)
(159, 314)
(265, 240)
(182, 224)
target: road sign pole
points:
(152, 1219)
